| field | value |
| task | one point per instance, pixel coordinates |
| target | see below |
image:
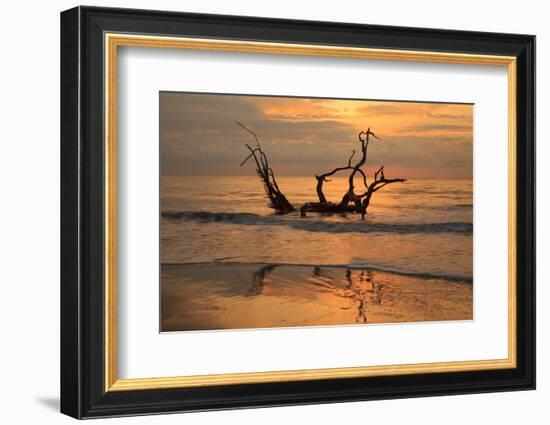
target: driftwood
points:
(379, 182)
(351, 201)
(277, 200)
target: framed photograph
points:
(261, 212)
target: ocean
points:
(220, 242)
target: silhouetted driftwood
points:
(351, 201)
(277, 200)
(379, 182)
(322, 178)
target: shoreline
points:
(222, 295)
(371, 267)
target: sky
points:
(308, 136)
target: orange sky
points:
(305, 136)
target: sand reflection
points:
(236, 296)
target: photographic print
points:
(287, 211)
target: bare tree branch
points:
(277, 199)
(350, 202)
(250, 131)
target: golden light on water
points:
(288, 296)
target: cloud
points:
(380, 108)
(426, 128)
(198, 134)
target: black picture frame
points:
(83, 392)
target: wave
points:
(453, 207)
(432, 191)
(450, 207)
(354, 266)
(310, 225)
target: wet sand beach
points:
(209, 296)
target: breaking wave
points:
(312, 225)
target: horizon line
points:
(303, 175)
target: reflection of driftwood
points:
(258, 279)
(351, 201)
(362, 294)
(277, 200)
(361, 287)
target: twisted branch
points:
(277, 199)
